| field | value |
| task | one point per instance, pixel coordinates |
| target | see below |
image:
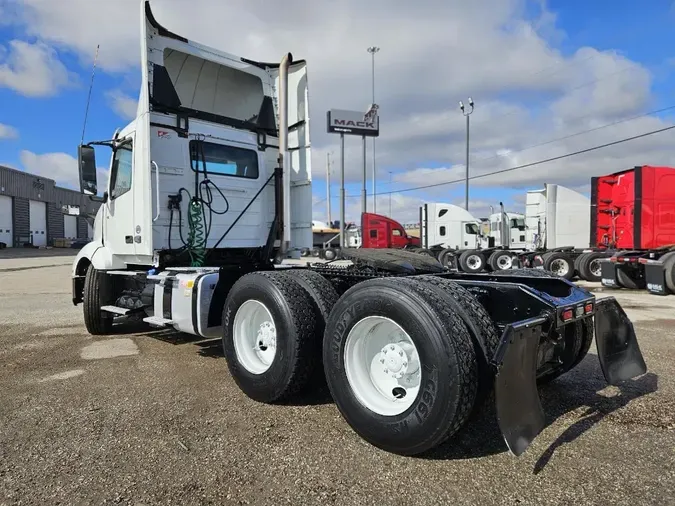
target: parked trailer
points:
(558, 229)
(635, 216)
(409, 350)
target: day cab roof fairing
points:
(183, 80)
(174, 87)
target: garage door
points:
(6, 221)
(38, 222)
(69, 226)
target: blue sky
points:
(639, 31)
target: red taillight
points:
(567, 315)
(588, 308)
(613, 259)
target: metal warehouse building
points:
(34, 210)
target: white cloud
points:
(123, 105)
(432, 57)
(60, 167)
(33, 70)
(8, 132)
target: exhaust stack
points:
(283, 159)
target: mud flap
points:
(519, 412)
(618, 350)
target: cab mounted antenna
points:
(91, 85)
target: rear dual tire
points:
(403, 362)
(444, 334)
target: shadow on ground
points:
(578, 388)
(481, 436)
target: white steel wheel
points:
(474, 262)
(255, 336)
(382, 365)
(595, 267)
(504, 262)
(560, 267)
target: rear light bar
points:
(570, 313)
(624, 260)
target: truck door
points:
(118, 211)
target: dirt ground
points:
(145, 418)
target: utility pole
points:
(328, 187)
(372, 50)
(390, 194)
(467, 114)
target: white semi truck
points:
(209, 193)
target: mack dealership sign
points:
(354, 123)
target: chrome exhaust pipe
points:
(283, 159)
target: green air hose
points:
(196, 238)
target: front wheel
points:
(400, 365)
(97, 293)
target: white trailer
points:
(557, 217)
(210, 190)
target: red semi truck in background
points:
(633, 214)
(379, 231)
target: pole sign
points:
(354, 122)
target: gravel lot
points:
(144, 418)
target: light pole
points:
(390, 194)
(372, 50)
(328, 188)
(467, 114)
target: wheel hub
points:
(473, 261)
(504, 262)
(267, 337)
(559, 267)
(595, 268)
(397, 360)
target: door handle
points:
(159, 207)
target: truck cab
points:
(449, 226)
(379, 231)
(507, 230)
(208, 168)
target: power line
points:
(594, 129)
(532, 164)
(539, 162)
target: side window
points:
(396, 232)
(223, 160)
(121, 171)
(442, 230)
(373, 234)
(471, 228)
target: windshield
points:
(518, 223)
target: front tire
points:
(97, 293)
(269, 335)
(400, 365)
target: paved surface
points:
(135, 419)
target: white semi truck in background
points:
(553, 234)
(210, 192)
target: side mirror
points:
(86, 160)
